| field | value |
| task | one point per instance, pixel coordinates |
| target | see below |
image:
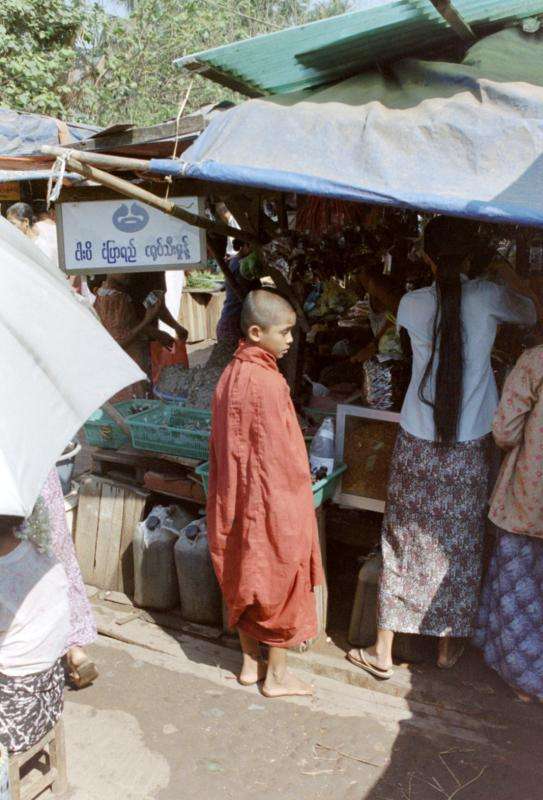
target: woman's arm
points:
(515, 282)
(380, 288)
(150, 314)
(519, 396)
(167, 317)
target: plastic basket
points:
(166, 397)
(203, 472)
(322, 490)
(169, 429)
(325, 490)
(102, 431)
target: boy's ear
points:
(254, 333)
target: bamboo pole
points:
(98, 159)
(136, 192)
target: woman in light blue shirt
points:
(433, 529)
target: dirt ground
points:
(161, 726)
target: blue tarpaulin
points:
(22, 134)
(462, 139)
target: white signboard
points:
(127, 236)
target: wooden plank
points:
(184, 187)
(104, 528)
(114, 556)
(86, 530)
(134, 504)
(213, 313)
(57, 749)
(194, 315)
(188, 126)
(145, 458)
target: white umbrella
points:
(57, 365)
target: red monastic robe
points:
(261, 522)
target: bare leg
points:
(254, 668)
(380, 654)
(279, 681)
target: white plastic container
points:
(323, 448)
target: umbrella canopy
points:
(58, 365)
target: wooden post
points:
(223, 264)
(57, 750)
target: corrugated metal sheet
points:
(332, 49)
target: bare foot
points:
(76, 656)
(253, 670)
(288, 686)
(82, 670)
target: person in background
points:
(142, 284)
(130, 323)
(22, 216)
(228, 326)
(384, 296)
(34, 631)
(46, 226)
(433, 530)
(42, 231)
(509, 629)
(82, 670)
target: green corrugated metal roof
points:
(331, 49)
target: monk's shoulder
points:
(265, 381)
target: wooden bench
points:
(25, 785)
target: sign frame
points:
(128, 268)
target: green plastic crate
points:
(102, 431)
(322, 490)
(318, 414)
(167, 430)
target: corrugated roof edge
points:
(224, 64)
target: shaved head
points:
(265, 307)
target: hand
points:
(163, 338)
(151, 313)
(182, 333)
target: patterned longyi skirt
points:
(432, 537)
(510, 620)
(30, 707)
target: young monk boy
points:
(261, 522)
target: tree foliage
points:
(70, 59)
(37, 52)
(126, 72)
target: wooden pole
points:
(451, 15)
(137, 193)
(98, 159)
(223, 264)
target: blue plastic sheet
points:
(462, 139)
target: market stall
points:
(346, 254)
